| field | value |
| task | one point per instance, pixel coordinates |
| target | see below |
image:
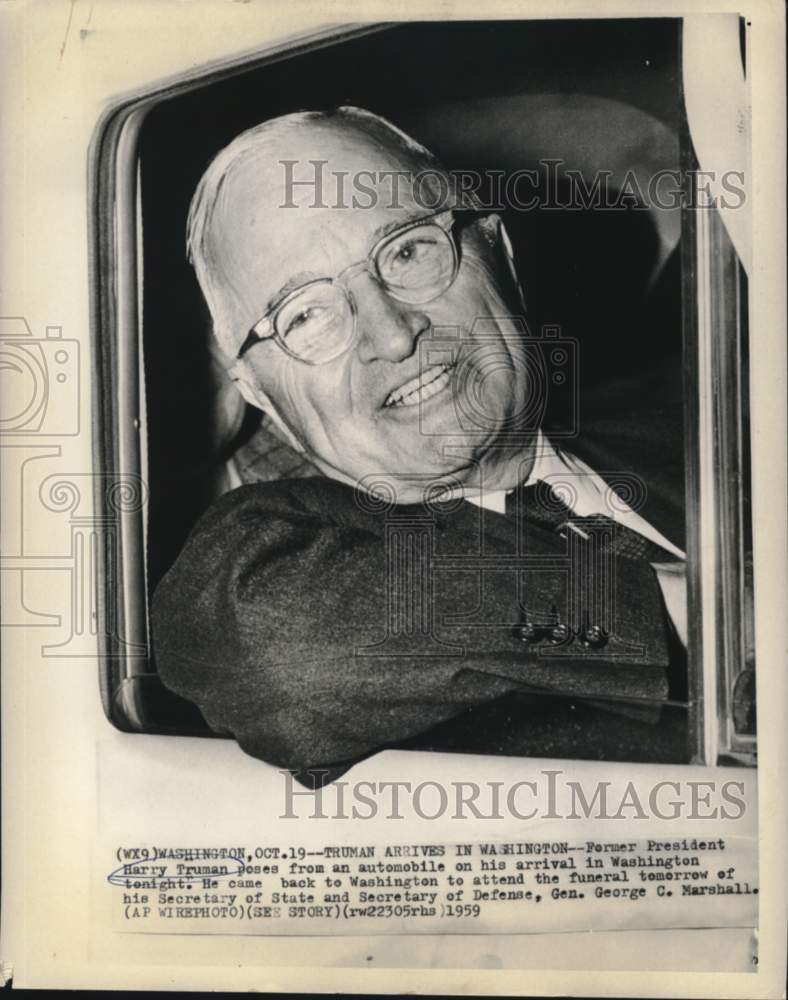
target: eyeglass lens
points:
(416, 266)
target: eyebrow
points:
(304, 277)
(301, 278)
(393, 226)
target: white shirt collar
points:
(546, 461)
(590, 489)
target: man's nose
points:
(388, 329)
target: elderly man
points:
(430, 569)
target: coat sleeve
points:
(272, 621)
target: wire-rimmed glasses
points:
(316, 322)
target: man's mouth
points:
(418, 390)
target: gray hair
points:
(213, 279)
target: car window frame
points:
(120, 429)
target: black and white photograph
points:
(393, 445)
(458, 515)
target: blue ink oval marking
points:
(153, 872)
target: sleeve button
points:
(528, 633)
(594, 636)
(559, 633)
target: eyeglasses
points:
(316, 322)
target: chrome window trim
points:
(117, 384)
(713, 344)
(706, 566)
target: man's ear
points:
(247, 385)
(495, 232)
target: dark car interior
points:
(488, 96)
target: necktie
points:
(539, 504)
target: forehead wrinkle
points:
(296, 281)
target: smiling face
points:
(421, 391)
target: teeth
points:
(421, 388)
